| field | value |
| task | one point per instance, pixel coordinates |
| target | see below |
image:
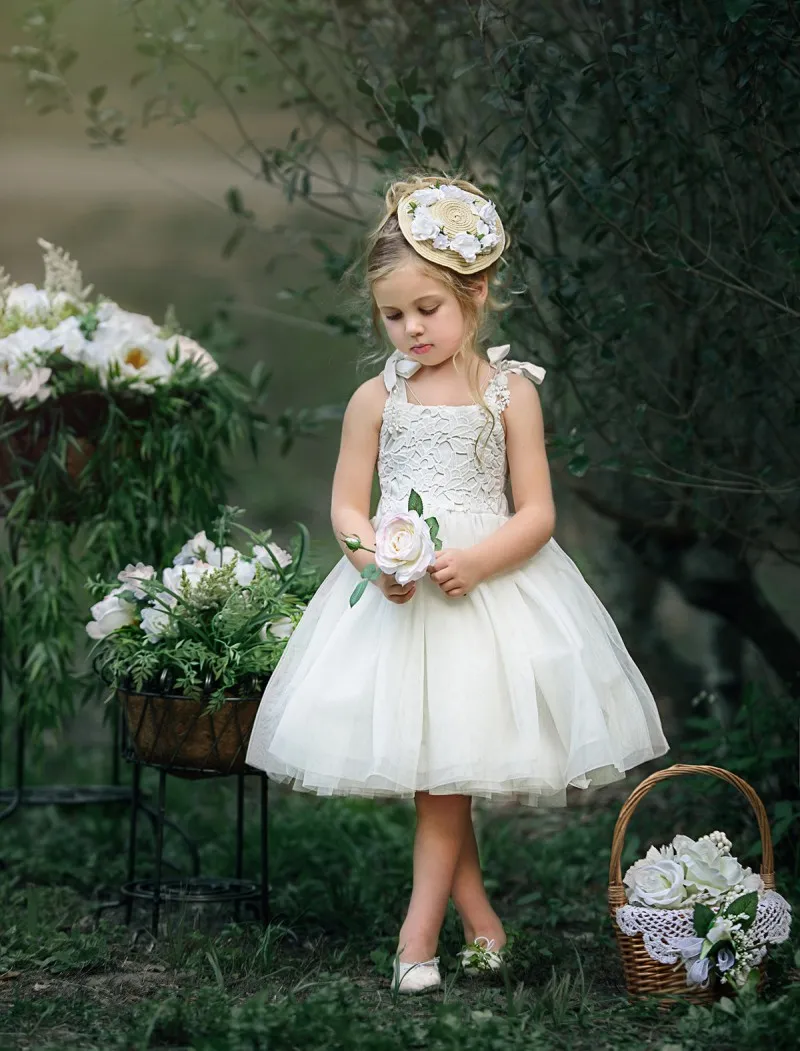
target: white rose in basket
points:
(405, 545)
(109, 615)
(656, 883)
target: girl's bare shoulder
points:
(368, 400)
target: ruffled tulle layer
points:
(514, 691)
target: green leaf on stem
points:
(415, 502)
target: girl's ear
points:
(480, 287)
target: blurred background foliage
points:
(644, 157)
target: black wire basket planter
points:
(179, 733)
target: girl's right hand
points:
(393, 591)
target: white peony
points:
(131, 574)
(21, 384)
(423, 226)
(29, 300)
(656, 883)
(109, 615)
(261, 554)
(155, 623)
(467, 246)
(403, 546)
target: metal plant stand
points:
(193, 889)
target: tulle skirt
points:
(514, 691)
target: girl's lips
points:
(423, 349)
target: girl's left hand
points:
(456, 571)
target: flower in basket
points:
(696, 904)
(61, 338)
(405, 545)
(217, 614)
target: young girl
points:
(499, 673)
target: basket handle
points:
(678, 770)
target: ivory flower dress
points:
(515, 690)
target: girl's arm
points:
(534, 518)
(355, 469)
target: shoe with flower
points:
(480, 957)
(416, 977)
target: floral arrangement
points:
(217, 615)
(405, 545)
(429, 221)
(58, 339)
(703, 876)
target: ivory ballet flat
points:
(416, 977)
(480, 957)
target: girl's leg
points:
(469, 895)
(442, 823)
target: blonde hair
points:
(387, 249)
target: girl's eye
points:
(396, 317)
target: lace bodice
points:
(432, 448)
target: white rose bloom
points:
(19, 385)
(23, 344)
(428, 196)
(67, 338)
(403, 546)
(172, 578)
(467, 246)
(155, 623)
(489, 214)
(481, 228)
(656, 883)
(131, 574)
(189, 350)
(261, 554)
(29, 300)
(423, 226)
(111, 614)
(281, 628)
(196, 547)
(441, 241)
(454, 193)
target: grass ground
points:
(75, 977)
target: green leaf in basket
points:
(358, 592)
(415, 502)
(703, 918)
(743, 909)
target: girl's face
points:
(422, 317)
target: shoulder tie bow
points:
(497, 356)
(400, 365)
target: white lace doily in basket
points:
(660, 927)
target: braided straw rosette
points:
(650, 966)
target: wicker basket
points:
(644, 976)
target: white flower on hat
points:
(427, 197)
(467, 245)
(455, 192)
(424, 226)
